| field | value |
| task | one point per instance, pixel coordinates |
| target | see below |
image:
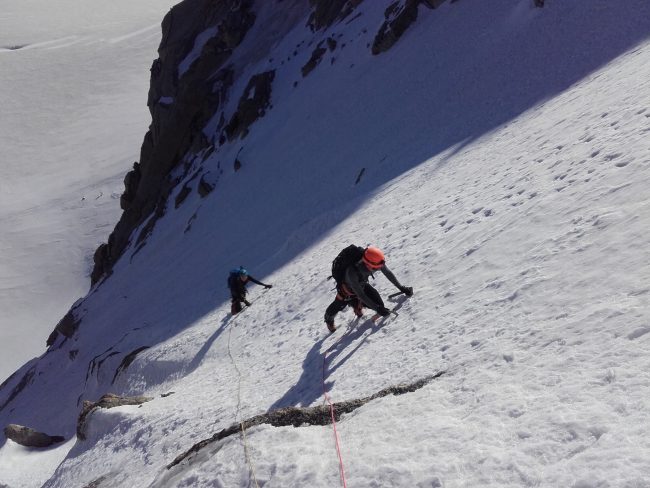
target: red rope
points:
(332, 414)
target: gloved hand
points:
(383, 311)
(268, 286)
(407, 290)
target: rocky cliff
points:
(193, 78)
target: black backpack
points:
(231, 278)
(346, 258)
(234, 274)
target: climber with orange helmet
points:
(352, 287)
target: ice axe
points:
(403, 292)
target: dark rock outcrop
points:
(182, 195)
(252, 104)
(320, 415)
(190, 83)
(97, 483)
(399, 17)
(317, 55)
(236, 166)
(198, 91)
(205, 186)
(68, 325)
(107, 401)
(126, 362)
(131, 182)
(29, 437)
(314, 60)
(361, 171)
(102, 264)
(24, 381)
(327, 12)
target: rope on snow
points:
(333, 415)
(238, 412)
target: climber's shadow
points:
(310, 384)
(319, 365)
(198, 358)
(354, 332)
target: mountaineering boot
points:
(329, 321)
(358, 309)
(330, 325)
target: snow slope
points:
(506, 178)
(74, 78)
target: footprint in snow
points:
(471, 251)
(515, 413)
(638, 333)
(611, 157)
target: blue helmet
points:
(235, 273)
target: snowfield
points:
(507, 179)
(74, 77)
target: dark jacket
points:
(356, 278)
(238, 287)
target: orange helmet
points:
(373, 257)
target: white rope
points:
(238, 412)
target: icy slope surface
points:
(518, 213)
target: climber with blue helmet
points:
(237, 280)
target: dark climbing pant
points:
(235, 307)
(344, 299)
